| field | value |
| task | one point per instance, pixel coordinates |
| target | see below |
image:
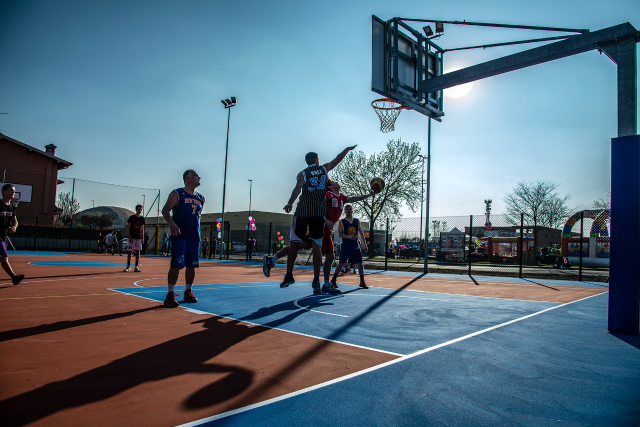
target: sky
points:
(129, 92)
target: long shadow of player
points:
(190, 353)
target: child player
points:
(349, 230)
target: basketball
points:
(377, 185)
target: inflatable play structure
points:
(593, 247)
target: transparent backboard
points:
(412, 58)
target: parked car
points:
(238, 247)
(123, 244)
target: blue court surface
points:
(463, 360)
(394, 321)
(38, 253)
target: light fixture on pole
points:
(228, 103)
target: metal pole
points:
(250, 185)
(73, 192)
(269, 244)
(386, 245)
(224, 185)
(158, 226)
(422, 200)
(470, 237)
(581, 225)
(426, 246)
(228, 237)
(521, 246)
(35, 236)
(144, 198)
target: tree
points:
(603, 202)
(540, 203)
(69, 206)
(399, 166)
(98, 220)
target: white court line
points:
(80, 278)
(395, 296)
(315, 311)
(365, 371)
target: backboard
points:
(401, 62)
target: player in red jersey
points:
(335, 203)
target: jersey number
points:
(194, 209)
(317, 184)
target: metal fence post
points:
(386, 245)
(73, 192)
(521, 245)
(35, 236)
(470, 237)
(580, 265)
(269, 242)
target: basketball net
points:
(387, 111)
(15, 202)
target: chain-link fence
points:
(83, 212)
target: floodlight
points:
(439, 27)
(427, 31)
(227, 101)
(233, 99)
(224, 103)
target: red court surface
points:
(75, 353)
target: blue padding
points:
(624, 273)
(78, 264)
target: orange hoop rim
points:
(400, 106)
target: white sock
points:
(275, 258)
(171, 288)
(189, 285)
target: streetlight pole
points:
(227, 105)
(250, 185)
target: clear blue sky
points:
(130, 93)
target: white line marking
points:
(142, 280)
(373, 368)
(315, 311)
(394, 296)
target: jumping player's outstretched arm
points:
(333, 163)
(172, 200)
(295, 193)
(358, 198)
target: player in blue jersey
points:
(349, 229)
(182, 212)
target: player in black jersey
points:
(310, 213)
(8, 224)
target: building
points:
(34, 173)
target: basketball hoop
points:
(15, 202)
(388, 111)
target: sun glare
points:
(457, 91)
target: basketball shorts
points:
(299, 226)
(327, 242)
(353, 254)
(3, 250)
(185, 253)
(134, 245)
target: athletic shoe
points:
(335, 286)
(330, 290)
(189, 296)
(127, 269)
(267, 265)
(363, 285)
(333, 283)
(288, 280)
(17, 279)
(170, 300)
(137, 269)
(316, 287)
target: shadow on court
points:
(191, 353)
(66, 324)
